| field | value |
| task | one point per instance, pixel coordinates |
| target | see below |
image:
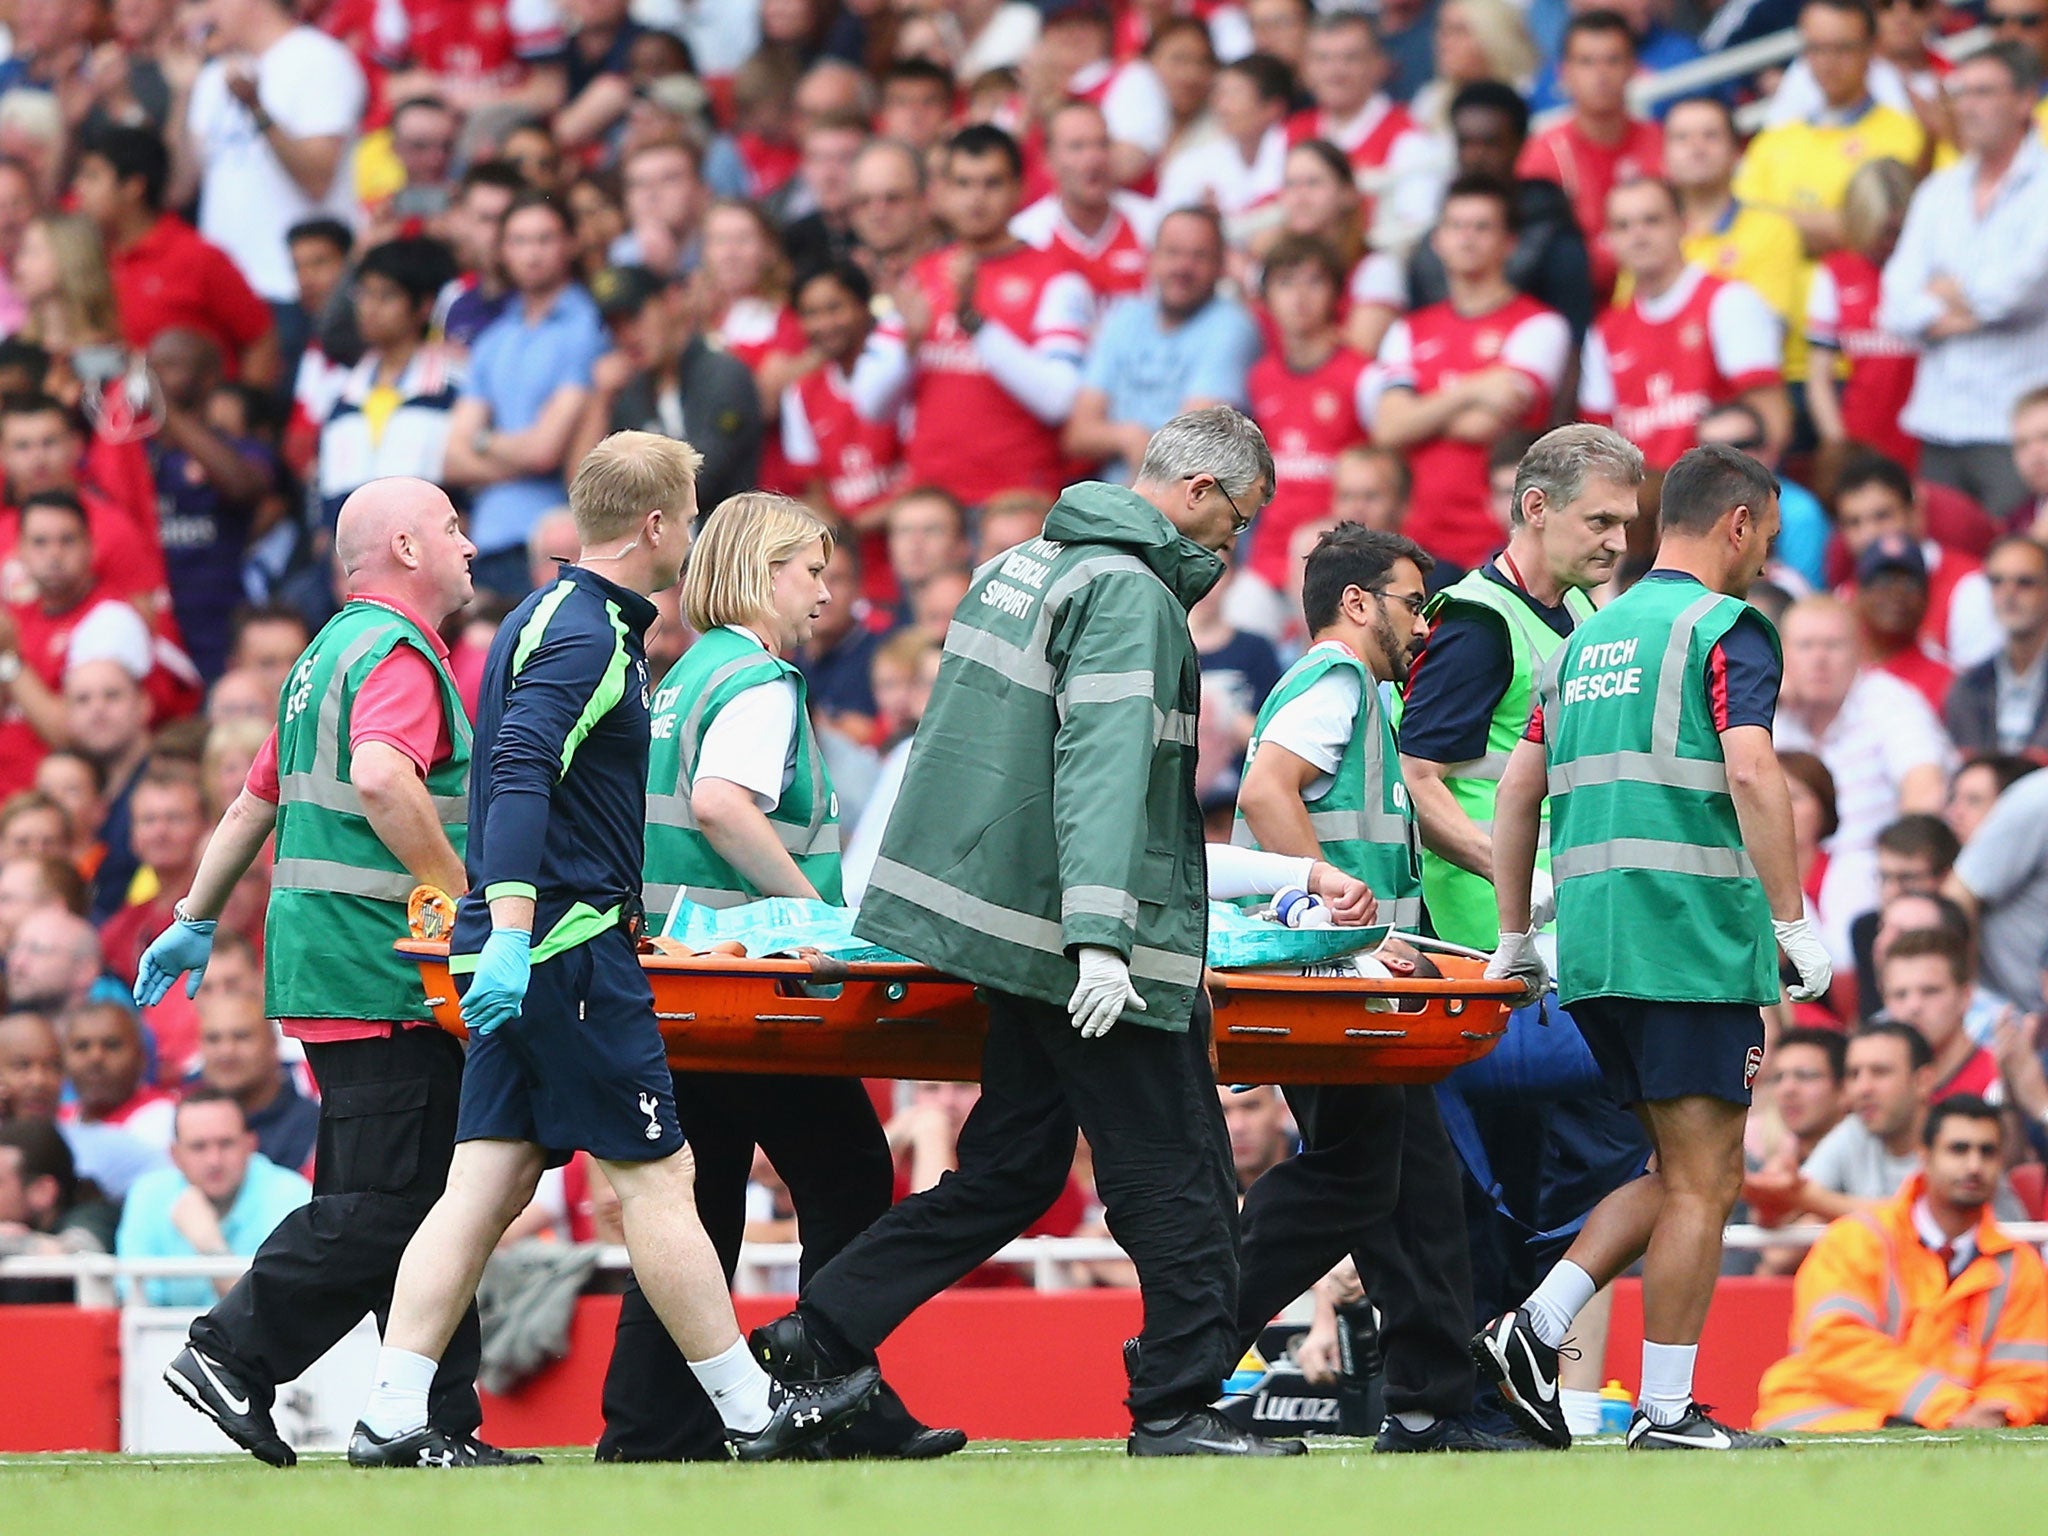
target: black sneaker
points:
(427, 1447)
(216, 1391)
(1205, 1432)
(1694, 1432)
(802, 1413)
(788, 1350)
(1454, 1434)
(483, 1454)
(1524, 1370)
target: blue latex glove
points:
(498, 987)
(184, 946)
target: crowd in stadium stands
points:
(923, 263)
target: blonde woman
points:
(746, 310)
(1475, 40)
(740, 806)
(1857, 376)
(60, 274)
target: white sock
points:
(738, 1387)
(1558, 1300)
(1416, 1423)
(1667, 1380)
(398, 1400)
(1581, 1410)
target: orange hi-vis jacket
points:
(1880, 1332)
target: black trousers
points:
(1377, 1179)
(387, 1132)
(823, 1138)
(1146, 1100)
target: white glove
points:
(1518, 959)
(1542, 900)
(1103, 992)
(1808, 955)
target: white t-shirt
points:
(1747, 337)
(312, 87)
(749, 743)
(1316, 724)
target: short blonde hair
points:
(627, 476)
(1879, 190)
(733, 564)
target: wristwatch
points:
(480, 443)
(10, 667)
(263, 120)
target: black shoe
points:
(802, 1413)
(483, 1454)
(1456, 1434)
(1694, 1432)
(1205, 1432)
(788, 1350)
(427, 1447)
(1524, 1370)
(212, 1389)
(921, 1444)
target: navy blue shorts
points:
(582, 1068)
(1651, 1052)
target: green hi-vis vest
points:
(1656, 896)
(714, 671)
(337, 894)
(1461, 904)
(1363, 820)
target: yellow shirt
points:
(1805, 167)
(1761, 247)
(2041, 116)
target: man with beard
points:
(1377, 1177)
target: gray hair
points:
(1215, 440)
(1561, 461)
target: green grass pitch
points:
(1909, 1483)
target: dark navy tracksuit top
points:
(558, 776)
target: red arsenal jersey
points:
(1113, 260)
(1588, 171)
(1654, 369)
(1308, 418)
(1841, 315)
(970, 435)
(860, 462)
(754, 330)
(1451, 507)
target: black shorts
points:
(1651, 1052)
(582, 1068)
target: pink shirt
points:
(399, 704)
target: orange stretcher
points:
(821, 1017)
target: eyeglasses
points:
(1993, 579)
(2028, 19)
(1414, 602)
(1238, 521)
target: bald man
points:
(364, 781)
(53, 959)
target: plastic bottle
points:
(1617, 1407)
(1296, 908)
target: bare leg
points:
(1699, 1157)
(1589, 1338)
(489, 1183)
(672, 1256)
